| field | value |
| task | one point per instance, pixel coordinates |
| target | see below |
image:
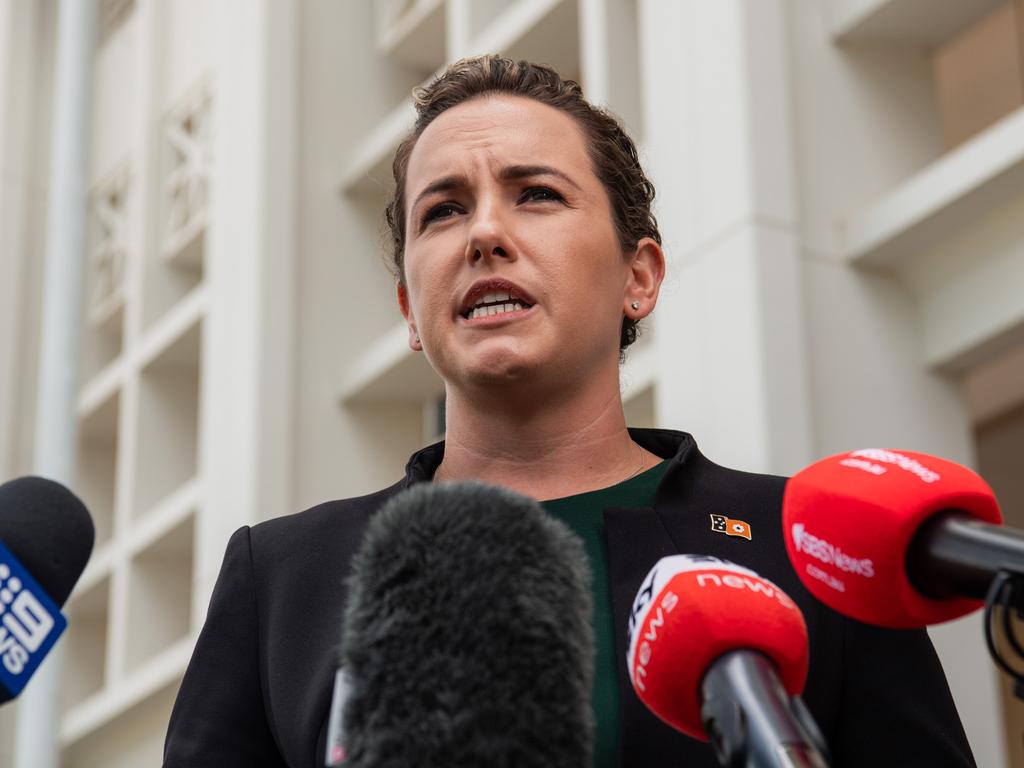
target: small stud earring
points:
(635, 305)
(417, 338)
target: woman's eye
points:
(442, 211)
(540, 193)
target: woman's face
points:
(513, 267)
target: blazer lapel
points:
(636, 540)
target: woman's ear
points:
(403, 306)
(646, 271)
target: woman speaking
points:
(525, 253)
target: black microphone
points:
(954, 555)
(752, 719)
(467, 637)
(720, 654)
(46, 537)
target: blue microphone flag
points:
(30, 623)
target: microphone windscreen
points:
(692, 609)
(849, 520)
(467, 637)
(49, 530)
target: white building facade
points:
(846, 269)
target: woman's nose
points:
(488, 235)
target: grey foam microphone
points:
(467, 637)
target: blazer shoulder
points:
(727, 484)
(329, 520)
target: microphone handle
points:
(752, 721)
(954, 555)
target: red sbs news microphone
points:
(717, 651)
(887, 537)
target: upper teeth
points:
(495, 303)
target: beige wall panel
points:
(115, 95)
(869, 385)
(970, 289)
(133, 740)
(344, 293)
(188, 35)
(865, 119)
(979, 74)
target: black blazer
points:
(258, 688)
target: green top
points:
(584, 514)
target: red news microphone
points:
(896, 538)
(720, 653)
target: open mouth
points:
(495, 303)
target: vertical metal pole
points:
(36, 740)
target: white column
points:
(18, 25)
(56, 419)
(609, 58)
(246, 435)
(730, 328)
(15, 17)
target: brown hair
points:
(611, 150)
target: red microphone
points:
(720, 653)
(896, 538)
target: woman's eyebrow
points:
(508, 173)
(514, 172)
(444, 184)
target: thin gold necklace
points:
(643, 460)
(637, 471)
